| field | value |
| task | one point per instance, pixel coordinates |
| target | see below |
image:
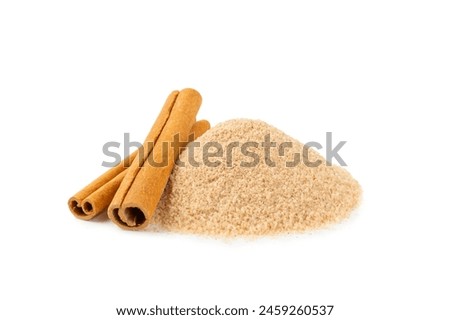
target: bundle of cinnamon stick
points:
(131, 193)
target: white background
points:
(76, 74)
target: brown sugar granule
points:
(231, 195)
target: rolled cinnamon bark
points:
(100, 199)
(85, 210)
(96, 197)
(140, 191)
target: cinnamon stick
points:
(100, 199)
(96, 196)
(140, 191)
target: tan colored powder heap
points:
(230, 200)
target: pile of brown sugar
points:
(233, 194)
